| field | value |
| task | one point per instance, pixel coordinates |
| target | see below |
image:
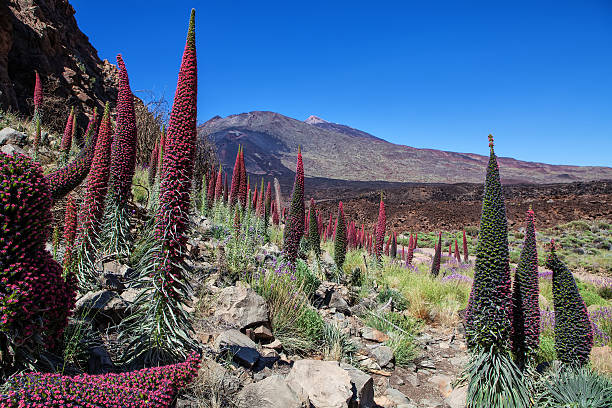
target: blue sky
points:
(435, 74)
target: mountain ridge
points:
(336, 151)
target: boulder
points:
(102, 306)
(337, 301)
(242, 348)
(362, 387)
(241, 307)
(396, 396)
(99, 361)
(10, 150)
(371, 334)
(457, 397)
(263, 333)
(322, 384)
(382, 354)
(10, 136)
(271, 392)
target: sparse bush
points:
(401, 330)
(398, 301)
(294, 322)
(337, 345)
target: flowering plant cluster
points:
(151, 388)
(35, 301)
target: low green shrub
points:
(581, 388)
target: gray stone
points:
(241, 307)
(10, 136)
(372, 334)
(99, 361)
(242, 348)
(263, 333)
(322, 384)
(337, 301)
(362, 387)
(130, 295)
(383, 355)
(102, 306)
(111, 281)
(457, 397)
(12, 149)
(271, 392)
(396, 396)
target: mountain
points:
(334, 151)
(43, 36)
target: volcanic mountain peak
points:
(313, 120)
(339, 152)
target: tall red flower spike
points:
(153, 163)
(67, 138)
(177, 168)
(97, 181)
(465, 249)
(123, 150)
(242, 193)
(294, 224)
(380, 228)
(38, 94)
(235, 186)
(457, 255)
(219, 185)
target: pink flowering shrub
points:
(147, 388)
(35, 301)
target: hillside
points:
(336, 151)
(43, 36)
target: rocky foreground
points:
(246, 366)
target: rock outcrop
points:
(43, 36)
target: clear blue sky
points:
(436, 74)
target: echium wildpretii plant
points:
(525, 304)
(154, 175)
(340, 239)
(154, 387)
(314, 239)
(294, 226)
(435, 263)
(70, 226)
(67, 178)
(488, 313)
(92, 210)
(37, 118)
(158, 329)
(35, 300)
(494, 379)
(66, 142)
(573, 328)
(235, 186)
(123, 161)
(381, 225)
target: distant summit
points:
(314, 120)
(334, 151)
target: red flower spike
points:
(123, 150)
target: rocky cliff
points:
(43, 36)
